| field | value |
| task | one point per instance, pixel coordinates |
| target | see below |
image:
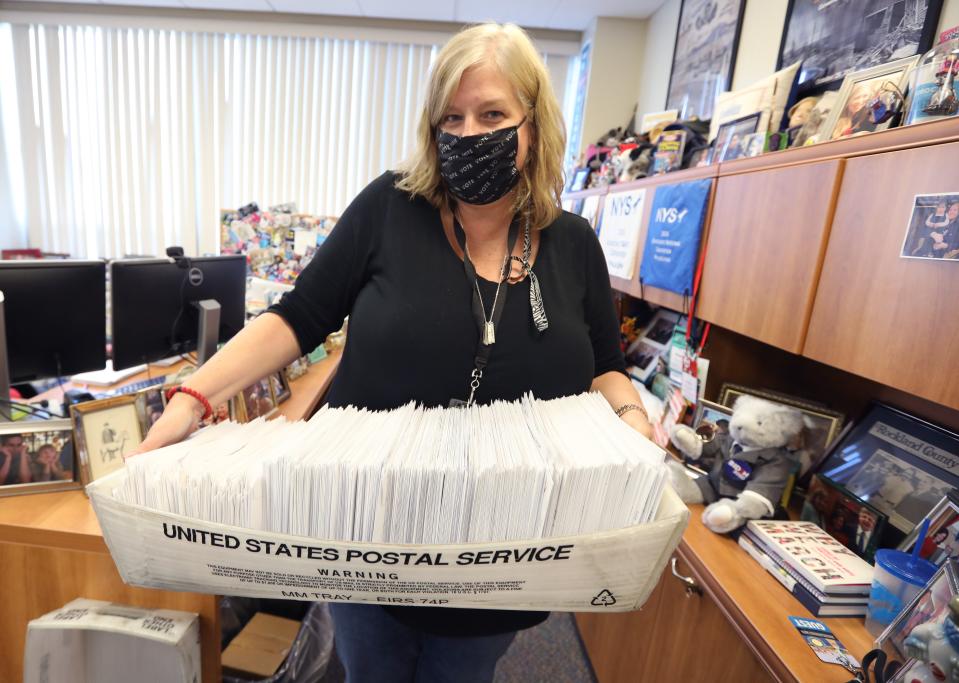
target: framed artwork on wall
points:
(836, 38)
(704, 56)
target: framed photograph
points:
(150, 405)
(255, 401)
(933, 229)
(643, 359)
(716, 415)
(37, 457)
(850, 520)
(851, 113)
(280, 387)
(754, 144)
(930, 605)
(578, 181)
(105, 431)
(836, 38)
(730, 139)
(704, 55)
(942, 539)
(221, 413)
(659, 331)
(900, 464)
(821, 426)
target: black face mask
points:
(479, 169)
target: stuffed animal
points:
(748, 466)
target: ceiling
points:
(555, 14)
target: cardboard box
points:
(610, 571)
(260, 648)
(92, 641)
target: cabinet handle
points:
(689, 582)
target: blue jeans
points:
(376, 648)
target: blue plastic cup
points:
(896, 581)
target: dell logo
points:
(195, 276)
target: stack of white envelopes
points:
(507, 471)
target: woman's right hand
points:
(180, 418)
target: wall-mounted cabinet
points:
(765, 247)
(879, 315)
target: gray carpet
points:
(549, 653)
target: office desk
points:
(735, 629)
(52, 551)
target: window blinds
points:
(123, 141)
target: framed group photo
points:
(731, 139)
(704, 55)
(898, 463)
(847, 518)
(37, 457)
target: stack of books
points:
(825, 576)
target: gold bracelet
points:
(622, 410)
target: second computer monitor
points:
(154, 304)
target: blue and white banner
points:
(672, 241)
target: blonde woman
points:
(463, 281)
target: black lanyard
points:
(483, 350)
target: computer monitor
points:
(158, 305)
(52, 319)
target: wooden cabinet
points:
(765, 247)
(680, 635)
(878, 315)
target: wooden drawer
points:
(878, 315)
(765, 249)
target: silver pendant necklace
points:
(489, 329)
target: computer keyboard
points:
(139, 386)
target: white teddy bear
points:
(749, 466)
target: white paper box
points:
(610, 571)
(92, 641)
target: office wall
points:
(611, 93)
(759, 41)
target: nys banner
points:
(672, 241)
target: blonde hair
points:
(508, 48)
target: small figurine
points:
(944, 101)
(748, 466)
(937, 646)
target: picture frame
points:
(105, 431)
(930, 604)
(850, 114)
(226, 410)
(280, 387)
(713, 414)
(151, 403)
(933, 228)
(942, 538)
(37, 457)
(255, 401)
(707, 33)
(850, 520)
(894, 461)
(728, 144)
(642, 358)
(836, 38)
(822, 425)
(578, 180)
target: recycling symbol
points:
(604, 598)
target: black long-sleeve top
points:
(412, 337)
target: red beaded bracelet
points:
(207, 408)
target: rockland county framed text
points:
(898, 463)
